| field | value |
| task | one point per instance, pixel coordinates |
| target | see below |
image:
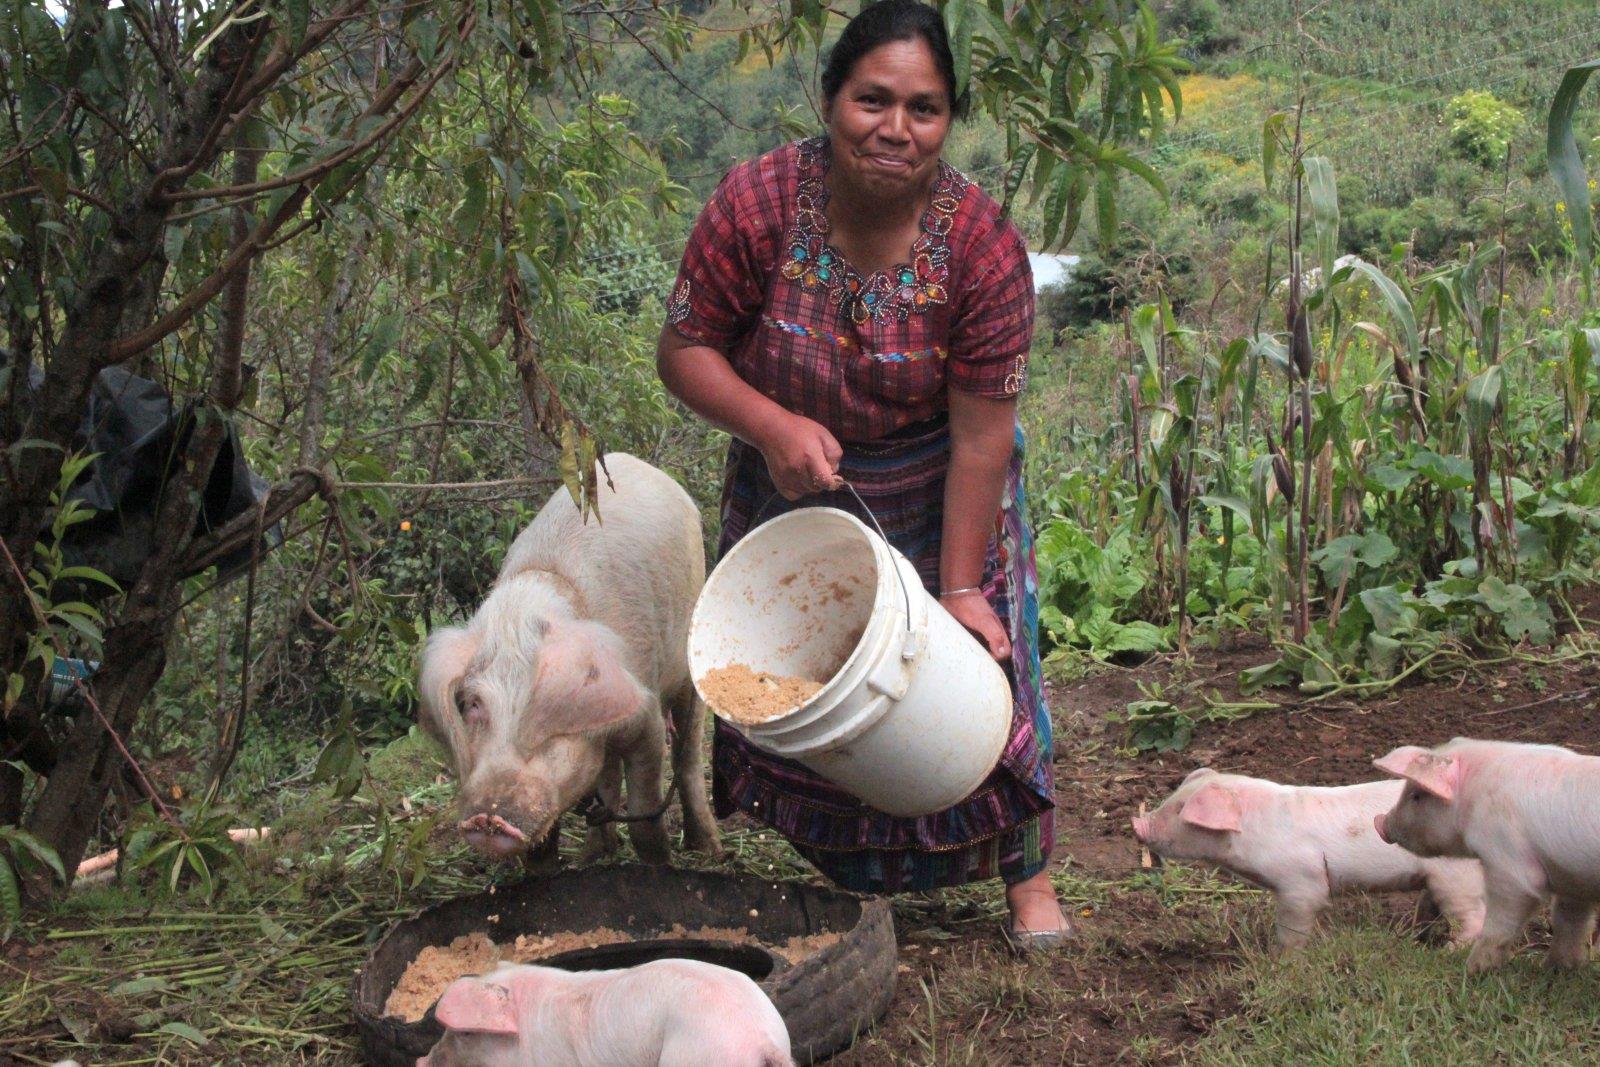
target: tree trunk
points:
(115, 280)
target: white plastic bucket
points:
(910, 719)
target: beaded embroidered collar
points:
(894, 293)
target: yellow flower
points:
(1222, 540)
(1561, 207)
(405, 525)
(1546, 312)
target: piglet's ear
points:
(582, 683)
(1435, 773)
(476, 1007)
(1213, 807)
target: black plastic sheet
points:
(139, 436)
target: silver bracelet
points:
(958, 592)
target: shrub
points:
(1199, 22)
(1482, 126)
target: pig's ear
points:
(1198, 772)
(582, 683)
(1437, 774)
(1213, 807)
(476, 1007)
(444, 663)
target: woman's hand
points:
(971, 609)
(802, 456)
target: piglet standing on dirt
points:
(1304, 843)
(1531, 816)
(671, 1013)
(555, 688)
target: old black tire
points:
(826, 999)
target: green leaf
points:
(36, 848)
(1390, 613)
(1136, 636)
(1235, 504)
(1254, 679)
(1521, 615)
(1483, 400)
(1324, 210)
(1383, 655)
(1383, 477)
(958, 27)
(339, 763)
(183, 1030)
(1105, 205)
(1270, 130)
(1339, 558)
(153, 983)
(380, 343)
(1393, 299)
(1566, 166)
(1447, 472)
(1144, 330)
(10, 897)
(298, 12)
(1055, 205)
(88, 574)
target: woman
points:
(850, 308)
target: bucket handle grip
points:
(908, 649)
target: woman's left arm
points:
(982, 435)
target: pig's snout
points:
(493, 835)
(1377, 823)
(1141, 829)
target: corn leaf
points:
(1566, 166)
(1393, 299)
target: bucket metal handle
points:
(908, 649)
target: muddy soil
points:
(1144, 987)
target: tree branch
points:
(235, 534)
(202, 294)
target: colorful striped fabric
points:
(1005, 828)
(839, 340)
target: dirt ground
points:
(1156, 963)
(1143, 985)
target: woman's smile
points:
(889, 119)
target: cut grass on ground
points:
(1169, 965)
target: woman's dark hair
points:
(892, 20)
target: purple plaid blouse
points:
(863, 356)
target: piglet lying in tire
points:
(1529, 813)
(555, 688)
(1305, 843)
(671, 1013)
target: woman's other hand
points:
(802, 456)
(971, 609)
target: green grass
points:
(1363, 995)
(125, 975)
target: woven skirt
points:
(1005, 828)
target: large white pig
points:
(1305, 843)
(669, 1013)
(1529, 813)
(556, 686)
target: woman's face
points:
(889, 119)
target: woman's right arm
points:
(802, 456)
